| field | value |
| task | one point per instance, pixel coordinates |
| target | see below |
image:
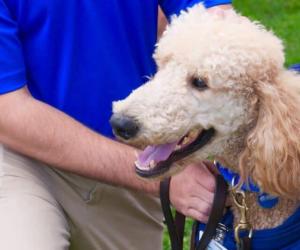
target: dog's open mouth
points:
(157, 160)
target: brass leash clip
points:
(239, 199)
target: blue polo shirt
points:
(80, 55)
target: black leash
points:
(176, 228)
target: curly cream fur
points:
(252, 102)
(272, 154)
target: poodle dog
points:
(221, 91)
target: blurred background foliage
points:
(281, 16)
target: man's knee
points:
(31, 223)
(30, 218)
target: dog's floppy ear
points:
(272, 153)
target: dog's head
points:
(220, 91)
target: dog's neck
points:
(259, 218)
(232, 148)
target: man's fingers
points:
(207, 179)
(195, 214)
(200, 205)
(192, 191)
(205, 195)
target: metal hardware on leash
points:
(239, 199)
(221, 231)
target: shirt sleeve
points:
(171, 7)
(12, 68)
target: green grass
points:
(283, 17)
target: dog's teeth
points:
(152, 164)
(178, 147)
(186, 140)
(137, 164)
(193, 133)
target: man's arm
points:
(220, 8)
(173, 7)
(223, 7)
(162, 20)
(40, 131)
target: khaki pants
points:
(46, 209)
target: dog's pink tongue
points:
(155, 153)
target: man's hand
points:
(192, 191)
(225, 10)
(220, 8)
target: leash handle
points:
(176, 228)
(175, 231)
(216, 213)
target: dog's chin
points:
(158, 161)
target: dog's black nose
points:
(124, 126)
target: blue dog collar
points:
(263, 199)
(295, 67)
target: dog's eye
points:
(199, 83)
